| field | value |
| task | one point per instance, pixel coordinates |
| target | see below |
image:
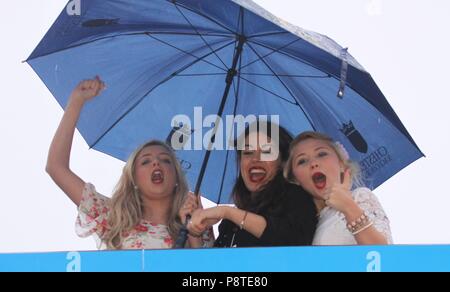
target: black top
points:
(293, 223)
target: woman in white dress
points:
(346, 216)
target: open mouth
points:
(257, 174)
(157, 176)
(319, 180)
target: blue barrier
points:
(412, 258)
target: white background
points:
(403, 44)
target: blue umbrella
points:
(170, 64)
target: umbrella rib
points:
(201, 14)
(286, 87)
(191, 33)
(195, 29)
(200, 74)
(286, 75)
(113, 36)
(268, 91)
(150, 91)
(186, 52)
(267, 34)
(293, 57)
(201, 59)
(273, 52)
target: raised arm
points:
(58, 160)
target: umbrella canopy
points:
(173, 64)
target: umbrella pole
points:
(182, 236)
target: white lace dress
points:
(332, 226)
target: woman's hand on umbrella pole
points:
(190, 204)
(202, 219)
(87, 89)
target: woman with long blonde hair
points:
(148, 201)
(348, 213)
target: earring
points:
(136, 191)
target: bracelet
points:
(241, 225)
(361, 222)
(195, 235)
(363, 228)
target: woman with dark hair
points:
(269, 210)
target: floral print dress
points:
(92, 217)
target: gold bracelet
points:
(243, 220)
(360, 222)
(363, 228)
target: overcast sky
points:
(403, 44)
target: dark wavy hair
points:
(267, 198)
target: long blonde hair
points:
(127, 205)
(348, 164)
